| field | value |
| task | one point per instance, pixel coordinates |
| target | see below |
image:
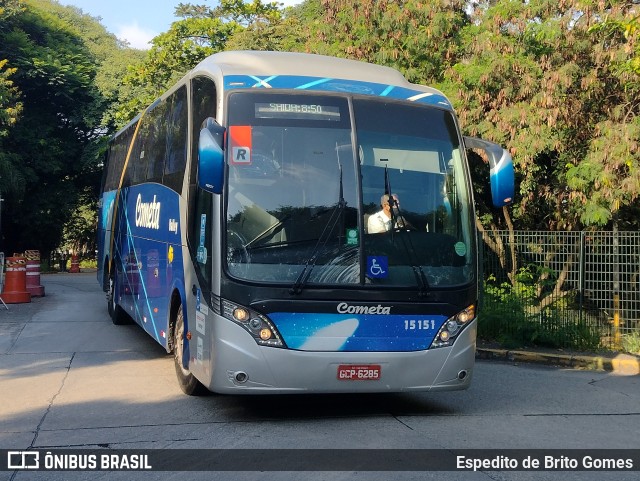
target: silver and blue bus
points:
(235, 228)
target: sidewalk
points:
(616, 362)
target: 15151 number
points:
(419, 324)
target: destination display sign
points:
(275, 110)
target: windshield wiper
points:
(407, 243)
(336, 215)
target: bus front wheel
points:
(187, 381)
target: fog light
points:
(452, 326)
(265, 334)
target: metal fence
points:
(562, 289)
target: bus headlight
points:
(265, 334)
(260, 328)
(453, 327)
(240, 314)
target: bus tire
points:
(118, 316)
(187, 381)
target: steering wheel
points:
(237, 252)
(261, 165)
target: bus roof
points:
(293, 63)
(266, 65)
(251, 69)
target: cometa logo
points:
(147, 213)
(344, 308)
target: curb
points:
(624, 364)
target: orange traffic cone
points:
(15, 288)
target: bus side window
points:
(134, 159)
(176, 140)
(120, 156)
(146, 150)
(155, 145)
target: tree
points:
(113, 57)
(202, 31)
(49, 152)
(10, 105)
(276, 30)
(536, 78)
(10, 109)
(606, 182)
(418, 37)
(541, 78)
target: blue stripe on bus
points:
(333, 85)
(145, 267)
(139, 278)
(357, 332)
(387, 91)
(314, 83)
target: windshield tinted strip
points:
(334, 85)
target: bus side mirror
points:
(211, 156)
(501, 164)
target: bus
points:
(237, 228)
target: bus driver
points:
(381, 220)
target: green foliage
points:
(418, 38)
(284, 31)
(110, 54)
(173, 53)
(50, 156)
(510, 315)
(10, 106)
(540, 78)
(631, 343)
(11, 181)
(627, 28)
(202, 31)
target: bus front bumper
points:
(241, 366)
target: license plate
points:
(350, 372)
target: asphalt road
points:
(70, 379)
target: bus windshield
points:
(330, 190)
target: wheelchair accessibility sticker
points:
(377, 266)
